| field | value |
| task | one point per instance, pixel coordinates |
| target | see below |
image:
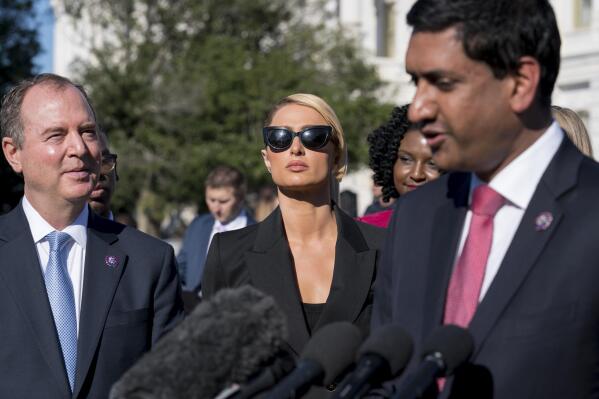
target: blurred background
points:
(182, 86)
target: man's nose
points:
(423, 107)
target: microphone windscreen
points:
(223, 341)
(392, 343)
(333, 347)
(454, 343)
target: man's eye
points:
(445, 84)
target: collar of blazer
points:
(560, 177)
(270, 265)
(271, 231)
(99, 286)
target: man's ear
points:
(526, 84)
(12, 154)
(265, 159)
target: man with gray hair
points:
(81, 297)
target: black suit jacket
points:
(537, 328)
(259, 255)
(192, 255)
(125, 309)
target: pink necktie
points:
(467, 278)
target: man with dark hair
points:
(81, 297)
(101, 197)
(503, 245)
(225, 193)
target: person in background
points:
(401, 160)
(574, 127)
(81, 297)
(225, 190)
(378, 204)
(101, 196)
(316, 261)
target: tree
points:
(183, 86)
(19, 47)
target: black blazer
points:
(259, 255)
(536, 330)
(126, 307)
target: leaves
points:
(188, 84)
(18, 47)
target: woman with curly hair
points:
(401, 160)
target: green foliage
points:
(186, 85)
(18, 47)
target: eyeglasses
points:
(280, 138)
(108, 163)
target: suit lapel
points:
(22, 276)
(271, 271)
(101, 278)
(352, 275)
(528, 242)
(446, 233)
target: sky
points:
(45, 26)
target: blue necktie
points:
(62, 300)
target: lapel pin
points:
(111, 261)
(543, 221)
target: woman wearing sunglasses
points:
(315, 260)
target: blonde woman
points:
(574, 127)
(315, 260)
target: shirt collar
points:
(518, 181)
(40, 228)
(237, 223)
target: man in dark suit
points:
(225, 193)
(81, 297)
(506, 244)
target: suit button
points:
(331, 387)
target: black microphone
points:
(381, 357)
(267, 378)
(328, 353)
(447, 348)
(225, 340)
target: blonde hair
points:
(325, 110)
(574, 127)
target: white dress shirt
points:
(517, 183)
(238, 223)
(76, 247)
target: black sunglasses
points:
(280, 138)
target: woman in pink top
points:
(401, 160)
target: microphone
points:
(328, 353)
(225, 340)
(280, 367)
(382, 356)
(447, 348)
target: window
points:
(583, 11)
(385, 32)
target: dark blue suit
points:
(536, 330)
(126, 307)
(192, 256)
